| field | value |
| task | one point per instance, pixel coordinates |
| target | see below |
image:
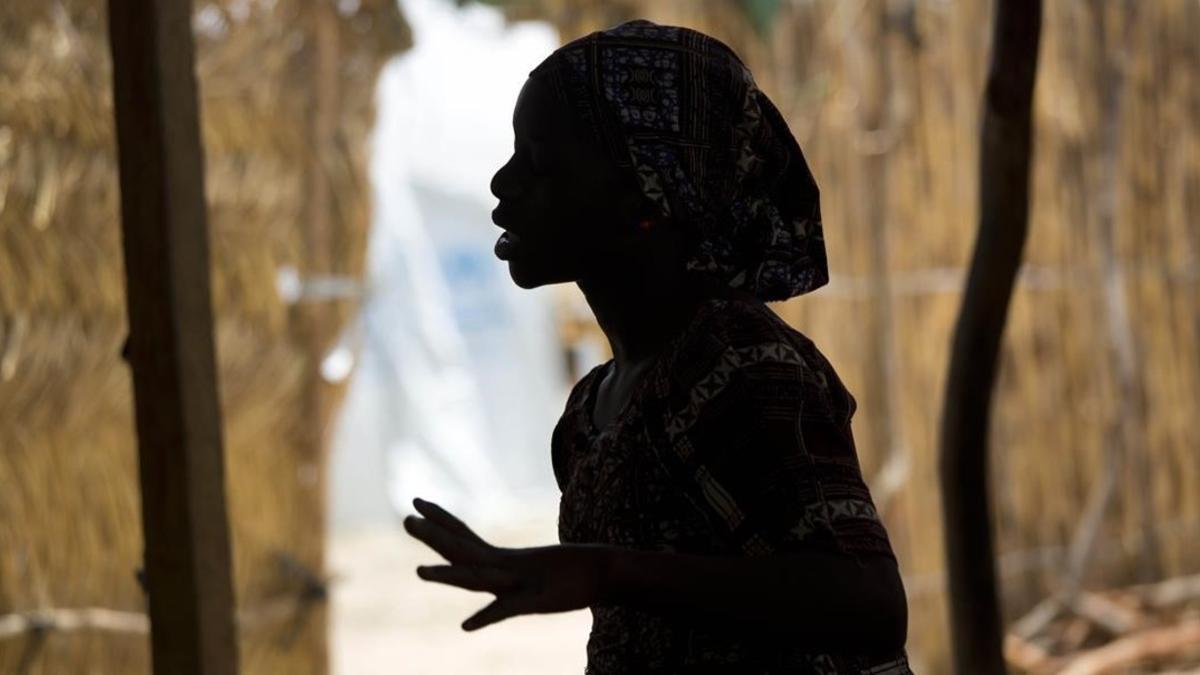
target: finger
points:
(487, 579)
(499, 610)
(438, 514)
(450, 545)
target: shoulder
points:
(576, 395)
(749, 336)
(745, 343)
(569, 427)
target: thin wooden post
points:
(165, 242)
(315, 324)
(1007, 136)
(870, 52)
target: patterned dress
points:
(736, 440)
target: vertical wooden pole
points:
(1006, 147)
(1124, 446)
(316, 324)
(1113, 25)
(165, 242)
(870, 57)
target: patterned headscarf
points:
(680, 111)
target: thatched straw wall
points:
(286, 95)
(1101, 346)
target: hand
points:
(539, 580)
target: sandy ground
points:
(386, 620)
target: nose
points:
(501, 186)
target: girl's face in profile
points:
(573, 212)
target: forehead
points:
(536, 112)
(540, 117)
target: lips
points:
(506, 245)
(498, 217)
(508, 242)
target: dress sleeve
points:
(567, 430)
(764, 443)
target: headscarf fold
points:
(680, 112)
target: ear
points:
(649, 208)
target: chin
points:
(524, 277)
(527, 276)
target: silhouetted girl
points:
(713, 513)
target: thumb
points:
(499, 610)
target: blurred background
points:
(372, 349)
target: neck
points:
(640, 315)
(642, 309)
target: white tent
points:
(459, 379)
